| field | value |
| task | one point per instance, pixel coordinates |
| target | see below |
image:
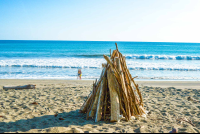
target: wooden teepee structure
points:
(115, 94)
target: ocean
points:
(27, 59)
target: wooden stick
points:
(115, 106)
(127, 107)
(94, 105)
(137, 89)
(129, 76)
(116, 46)
(131, 96)
(91, 102)
(113, 54)
(102, 76)
(120, 94)
(100, 101)
(139, 93)
(92, 109)
(122, 59)
(84, 107)
(105, 103)
(113, 68)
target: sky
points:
(101, 20)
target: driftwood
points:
(193, 100)
(21, 87)
(100, 101)
(113, 97)
(86, 104)
(181, 119)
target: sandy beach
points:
(59, 102)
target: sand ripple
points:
(19, 114)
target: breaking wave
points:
(163, 57)
(152, 57)
(95, 67)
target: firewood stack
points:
(115, 95)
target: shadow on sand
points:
(47, 121)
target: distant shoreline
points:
(152, 83)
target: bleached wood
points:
(94, 106)
(84, 107)
(114, 98)
(127, 101)
(20, 87)
(116, 73)
(119, 96)
(135, 99)
(100, 101)
(92, 100)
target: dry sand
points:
(166, 100)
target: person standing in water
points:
(79, 74)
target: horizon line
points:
(99, 41)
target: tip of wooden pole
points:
(116, 46)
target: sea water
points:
(23, 59)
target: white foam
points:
(54, 63)
(163, 65)
(96, 63)
(163, 57)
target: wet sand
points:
(166, 101)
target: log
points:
(114, 98)
(100, 101)
(21, 87)
(127, 101)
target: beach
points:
(57, 104)
(99, 66)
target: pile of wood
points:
(115, 95)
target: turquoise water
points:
(61, 59)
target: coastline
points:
(151, 83)
(166, 100)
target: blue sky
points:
(103, 20)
